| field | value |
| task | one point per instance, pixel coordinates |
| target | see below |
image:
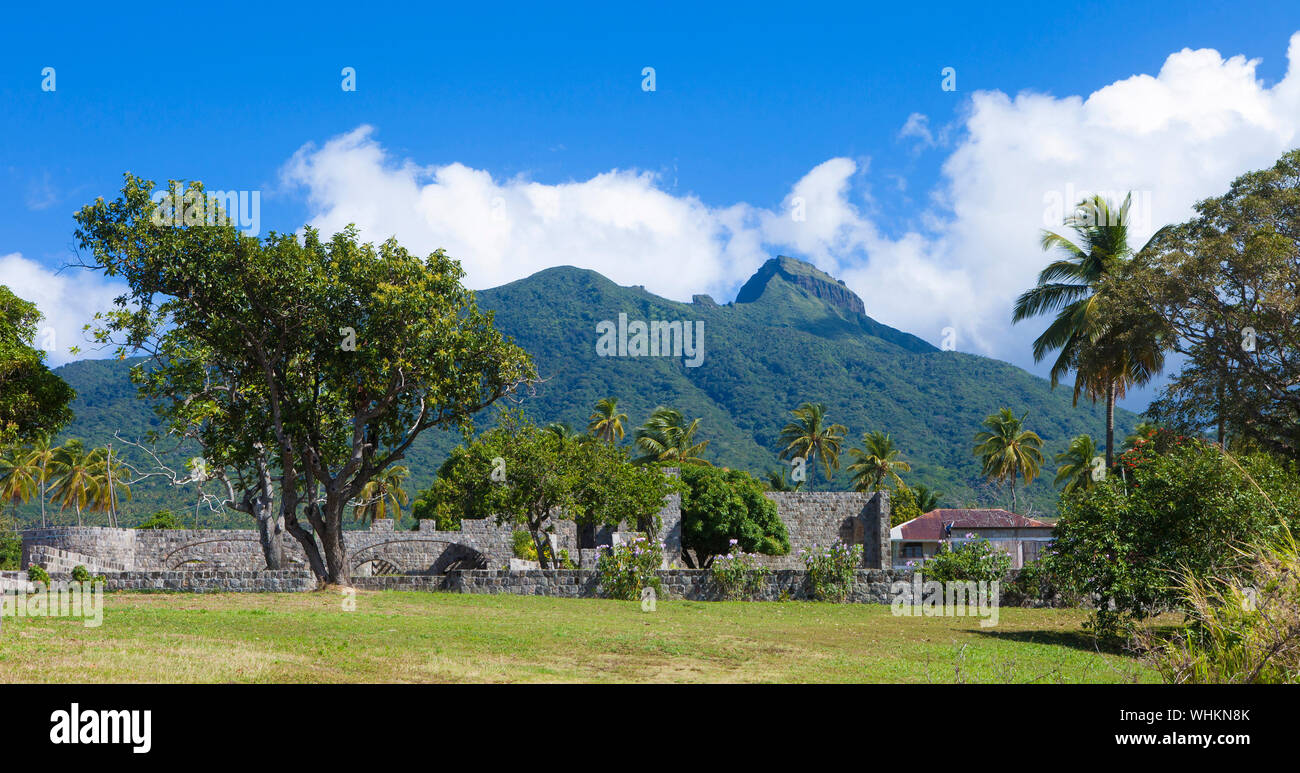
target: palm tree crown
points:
(811, 437)
(1076, 464)
(877, 460)
(667, 437)
(1008, 450)
(606, 422)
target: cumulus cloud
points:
(1014, 163)
(69, 300)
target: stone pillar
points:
(875, 543)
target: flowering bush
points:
(737, 574)
(623, 570)
(972, 561)
(831, 569)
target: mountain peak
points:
(803, 275)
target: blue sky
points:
(547, 106)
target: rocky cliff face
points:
(806, 276)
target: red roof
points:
(931, 525)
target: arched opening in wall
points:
(375, 567)
(191, 564)
(458, 557)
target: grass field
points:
(444, 637)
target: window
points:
(912, 550)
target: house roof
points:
(930, 527)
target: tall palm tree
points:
(110, 482)
(878, 459)
(1076, 463)
(811, 437)
(42, 455)
(19, 475)
(926, 499)
(606, 422)
(379, 493)
(1074, 286)
(74, 479)
(667, 437)
(1008, 450)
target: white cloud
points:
(1175, 137)
(69, 300)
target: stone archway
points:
(218, 552)
(400, 556)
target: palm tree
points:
(1074, 287)
(110, 482)
(606, 422)
(19, 475)
(926, 499)
(776, 481)
(1008, 450)
(877, 460)
(42, 455)
(666, 437)
(74, 480)
(1076, 464)
(560, 430)
(381, 491)
(810, 437)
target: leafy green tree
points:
(1008, 451)
(11, 544)
(667, 437)
(878, 460)
(382, 492)
(903, 505)
(719, 506)
(1075, 464)
(606, 422)
(1184, 511)
(163, 519)
(33, 400)
(519, 474)
(811, 437)
(1104, 354)
(1225, 283)
(354, 350)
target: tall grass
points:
(1244, 630)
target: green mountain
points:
(793, 334)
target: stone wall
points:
(822, 517)
(287, 581)
(871, 586)
(57, 561)
(115, 546)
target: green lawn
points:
(445, 637)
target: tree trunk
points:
(270, 532)
(308, 542)
(1014, 504)
(1110, 425)
(42, 493)
(330, 531)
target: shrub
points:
(902, 505)
(623, 570)
(1185, 508)
(11, 545)
(831, 570)
(722, 508)
(82, 574)
(1241, 630)
(37, 573)
(163, 519)
(522, 543)
(737, 574)
(973, 561)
